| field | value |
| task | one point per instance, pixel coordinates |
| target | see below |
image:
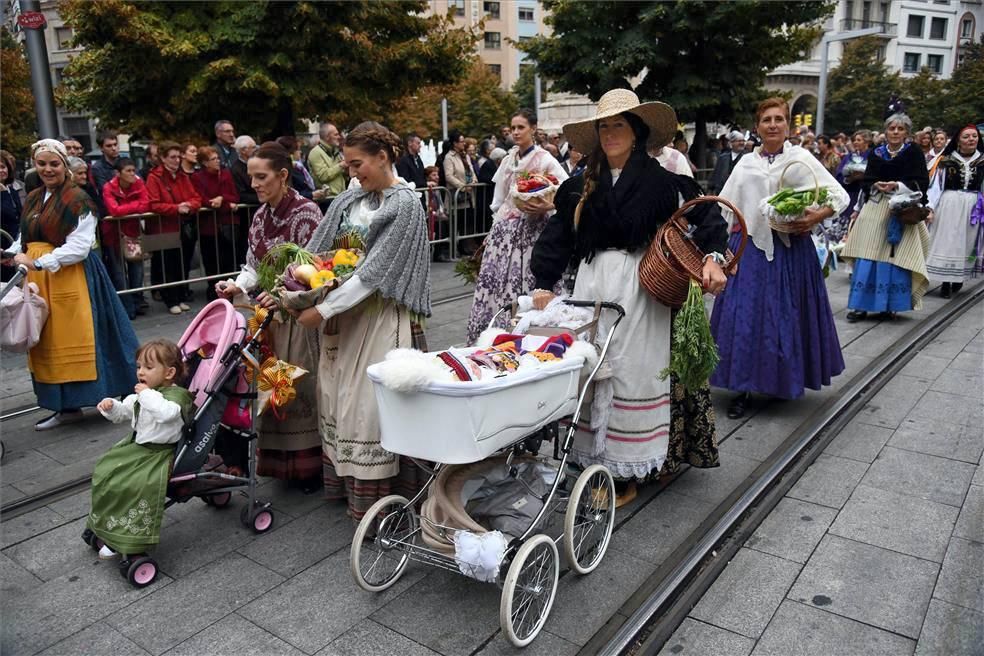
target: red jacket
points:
(120, 203)
(210, 184)
(168, 190)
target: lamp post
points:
(824, 54)
(37, 56)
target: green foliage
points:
(708, 60)
(477, 105)
(963, 100)
(693, 353)
(171, 67)
(924, 95)
(523, 87)
(859, 87)
(17, 122)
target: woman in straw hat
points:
(605, 220)
(505, 272)
(87, 346)
(773, 325)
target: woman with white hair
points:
(889, 257)
(87, 346)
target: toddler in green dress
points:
(129, 482)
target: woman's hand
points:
(886, 187)
(542, 298)
(713, 278)
(216, 202)
(23, 258)
(309, 318)
(268, 302)
(811, 217)
(535, 205)
(227, 290)
(930, 217)
(855, 176)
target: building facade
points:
(915, 34)
(506, 22)
(58, 37)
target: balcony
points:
(886, 30)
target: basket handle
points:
(816, 181)
(681, 221)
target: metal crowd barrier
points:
(472, 217)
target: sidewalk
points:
(879, 548)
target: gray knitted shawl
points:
(397, 262)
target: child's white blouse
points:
(159, 421)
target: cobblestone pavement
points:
(225, 590)
(879, 547)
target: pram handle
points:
(15, 279)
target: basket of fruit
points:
(307, 278)
(531, 184)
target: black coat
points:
(624, 217)
(908, 167)
(244, 185)
(722, 171)
(411, 168)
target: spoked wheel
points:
(381, 543)
(529, 589)
(142, 571)
(589, 519)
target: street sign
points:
(32, 20)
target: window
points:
(459, 7)
(865, 14)
(849, 9)
(493, 40)
(884, 12)
(935, 63)
(937, 29)
(915, 26)
(496, 70)
(880, 54)
(967, 28)
(491, 9)
(526, 14)
(56, 79)
(910, 64)
(63, 38)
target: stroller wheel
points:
(589, 519)
(380, 548)
(260, 520)
(142, 571)
(220, 500)
(88, 537)
(529, 589)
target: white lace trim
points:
(620, 469)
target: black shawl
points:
(624, 216)
(908, 167)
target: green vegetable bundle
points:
(693, 353)
(276, 261)
(789, 202)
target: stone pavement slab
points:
(962, 577)
(943, 407)
(891, 404)
(938, 636)
(868, 584)
(100, 638)
(859, 441)
(303, 542)
(14, 579)
(829, 481)
(943, 439)
(961, 383)
(747, 594)
(321, 603)
(804, 631)
(546, 644)
(970, 523)
(655, 530)
(175, 613)
(27, 526)
(371, 639)
(919, 475)
(897, 522)
(695, 638)
(234, 635)
(792, 530)
(714, 485)
(54, 552)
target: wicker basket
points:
(673, 259)
(785, 227)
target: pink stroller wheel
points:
(263, 521)
(142, 572)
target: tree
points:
(172, 67)
(523, 87)
(17, 122)
(708, 60)
(860, 87)
(476, 106)
(925, 97)
(963, 101)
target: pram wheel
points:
(142, 571)
(261, 520)
(220, 500)
(379, 549)
(529, 589)
(589, 519)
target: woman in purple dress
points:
(773, 324)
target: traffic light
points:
(798, 118)
(808, 120)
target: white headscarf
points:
(50, 146)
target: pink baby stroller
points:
(216, 348)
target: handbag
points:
(22, 316)
(132, 249)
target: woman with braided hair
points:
(367, 317)
(604, 223)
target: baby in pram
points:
(129, 482)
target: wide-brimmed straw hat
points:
(660, 118)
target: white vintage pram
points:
(492, 430)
